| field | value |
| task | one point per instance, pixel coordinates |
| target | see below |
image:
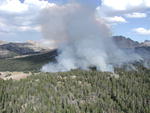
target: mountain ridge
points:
(13, 49)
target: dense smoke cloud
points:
(82, 39)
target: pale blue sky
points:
(18, 21)
(126, 29)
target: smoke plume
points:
(83, 40)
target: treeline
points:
(78, 92)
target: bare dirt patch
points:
(13, 75)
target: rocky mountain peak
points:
(124, 42)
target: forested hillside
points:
(73, 92)
(29, 63)
(78, 92)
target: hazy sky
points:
(130, 18)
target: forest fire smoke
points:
(83, 41)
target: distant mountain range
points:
(123, 42)
(142, 49)
(9, 49)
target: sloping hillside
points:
(28, 63)
(8, 50)
(78, 92)
(32, 58)
(123, 42)
(143, 49)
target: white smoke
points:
(83, 40)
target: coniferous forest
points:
(78, 92)
(74, 56)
